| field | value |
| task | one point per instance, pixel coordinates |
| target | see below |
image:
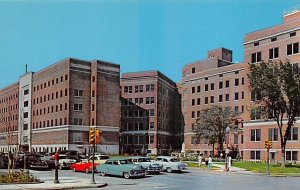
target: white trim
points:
(266, 123)
(75, 127)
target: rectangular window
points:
(236, 139)
(193, 90)
(256, 43)
(151, 125)
(273, 39)
(206, 100)
(151, 112)
(193, 102)
(220, 98)
(273, 53)
(26, 91)
(220, 84)
(291, 155)
(255, 155)
(256, 57)
(236, 96)
(198, 101)
(227, 84)
(25, 114)
(226, 97)
(26, 104)
(212, 86)
(236, 82)
(198, 88)
(77, 137)
(77, 107)
(273, 134)
(193, 70)
(25, 127)
(206, 87)
(293, 135)
(78, 93)
(193, 114)
(292, 48)
(292, 34)
(255, 134)
(212, 99)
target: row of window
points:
(8, 109)
(149, 100)
(221, 85)
(49, 109)
(197, 101)
(9, 118)
(139, 88)
(291, 49)
(137, 139)
(137, 113)
(53, 82)
(255, 134)
(50, 123)
(274, 39)
(11, 97)
(289, 155)
(6, 129)
(49, 97)
(196, 114)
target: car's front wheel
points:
(126, 175)
(102, 174)
(169, 170)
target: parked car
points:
(83, 167)
(100, 158)
(65, 162)
(49, 160)
(170, 164)
(146, 163)
(32, 161)
(121, 167)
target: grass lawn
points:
(261, 167)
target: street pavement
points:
(192, 179)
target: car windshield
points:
(104, 157)
(125, 161)
(174, 160)
(144, 160)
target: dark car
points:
(32, 161)
(49, 160)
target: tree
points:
(278, 86)
(212, 123)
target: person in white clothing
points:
(209, 162)
(200, 157)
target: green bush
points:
(22, 176)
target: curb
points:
(70, 187)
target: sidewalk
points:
(65, 183)
(235, 170)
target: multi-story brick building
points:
(211, 81)
(58, 104)
(150, 113)
(277, 43)
(9, 108)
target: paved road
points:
(193, 179)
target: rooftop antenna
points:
(26, 69)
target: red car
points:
(83, 167)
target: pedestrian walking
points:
(209, 162)
(200, 157)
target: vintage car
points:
(32, 161)
(146, 163)
(100, 158)
(83, 167)
(121, 167)
(65, 161)
(49, 160)
(170, 163)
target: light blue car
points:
(121, 167)
(170, 164)
(147, 164)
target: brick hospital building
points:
(53, 109)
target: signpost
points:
(94, 135)
(268, 146)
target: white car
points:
(65, 162)
(170, 163)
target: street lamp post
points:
(226, 150)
